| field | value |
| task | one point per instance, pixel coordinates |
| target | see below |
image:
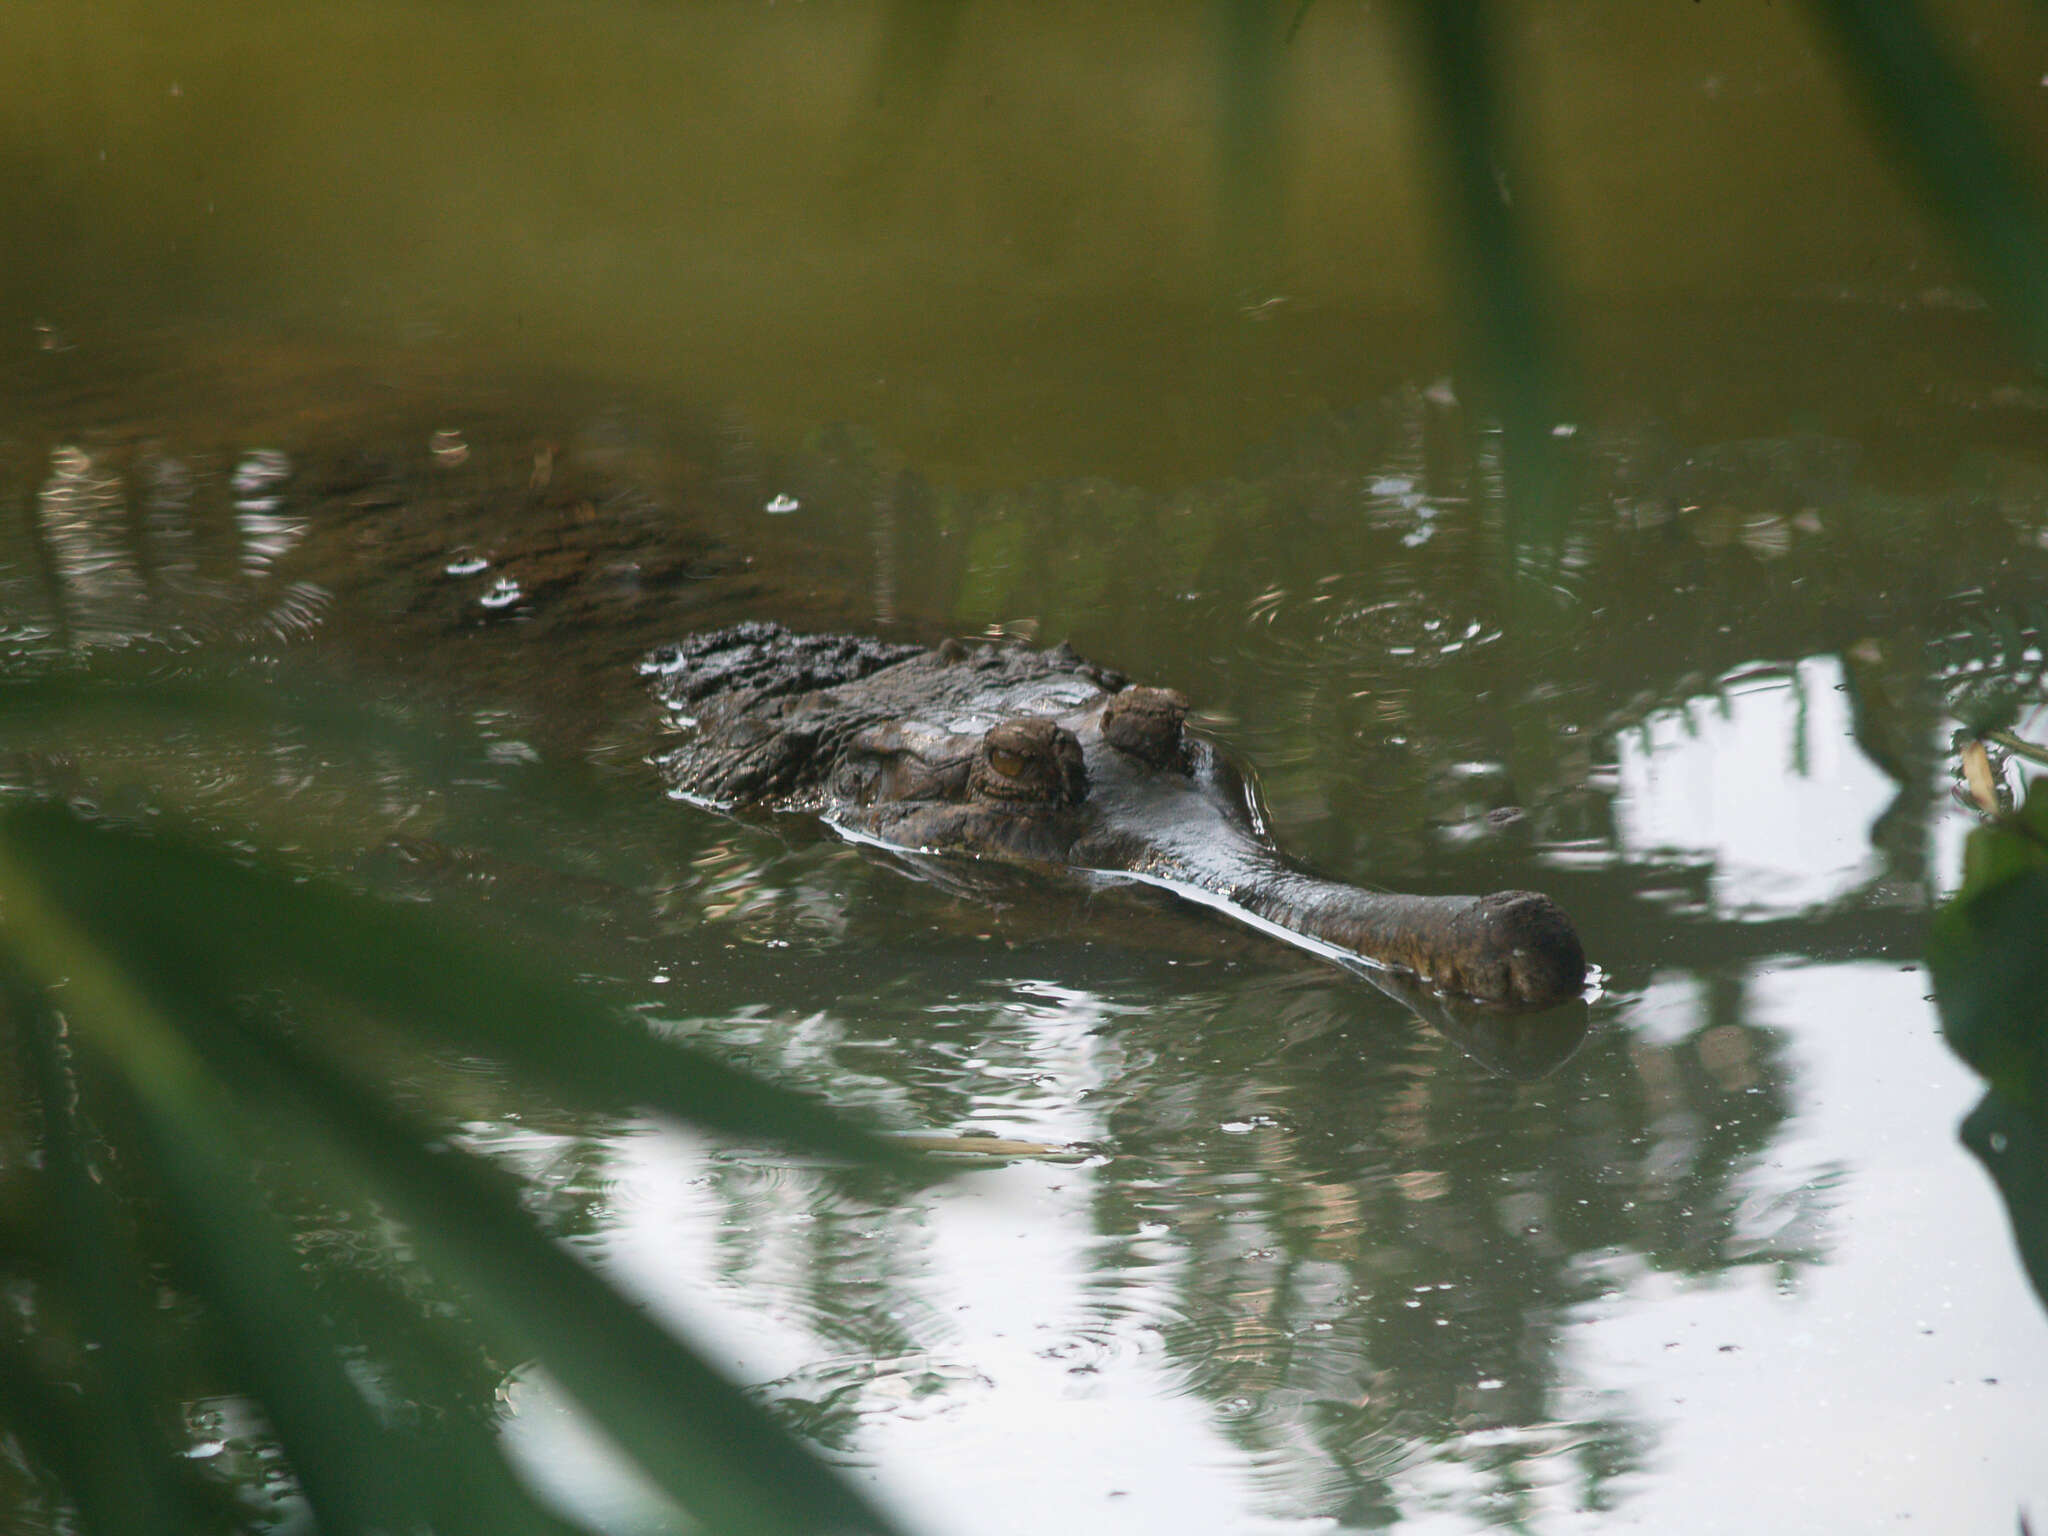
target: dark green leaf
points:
(2011, 1142)
(197, 919)
(129, 1488)
(230, 1247)
(1988, 952)
(692, 1430)
(1989, 955)
(51, 1426)
(699, 1438)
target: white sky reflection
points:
(1903, 1377)
(1765, 780)
(1062, 1411)
(1884, 1367)
(1901, 1383)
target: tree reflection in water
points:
(1359, 1248)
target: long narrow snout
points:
(1512, 949)
(1183, 816)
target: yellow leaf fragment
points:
(1977, 774)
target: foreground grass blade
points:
(470, 1482)
(892, 126)
(689, 1428)
(696, 1434)
(129, 1488)
(236, 1256)
(55, 1426)
(1499, 283)
(408, 965)
(1972, 178)
(1252, 86)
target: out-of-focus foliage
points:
(1491, 205)
(206, 1043)
(203, 1044)
(1900, 62)
(1500, 287)
(1989, 955)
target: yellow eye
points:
(1009, 764)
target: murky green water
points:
(322, 311)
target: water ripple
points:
(831, 1402)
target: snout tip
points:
(1533, 955)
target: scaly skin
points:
(1038, 755)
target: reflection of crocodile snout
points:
(1043, 756)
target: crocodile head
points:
(1037, 755)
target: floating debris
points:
(449, 449)
(503, 594)
(782, 503)
(466, 565)
(989, 1148)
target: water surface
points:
(465, 357)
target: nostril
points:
(1147, 723)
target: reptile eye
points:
(1030, 761)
